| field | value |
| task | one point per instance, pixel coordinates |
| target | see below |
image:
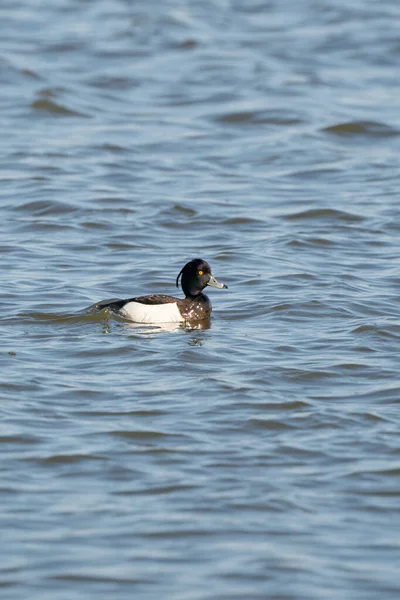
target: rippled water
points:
(256, 458)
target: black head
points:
(195, 276)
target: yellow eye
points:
(200, 272)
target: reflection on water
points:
(106, 316)
(159, 327)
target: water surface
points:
(258, 457)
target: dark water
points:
(258, 458)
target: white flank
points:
(152, 313)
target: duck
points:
(159, 308)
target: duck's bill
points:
(212, 282)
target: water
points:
(255, 458)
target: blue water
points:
(257, 457)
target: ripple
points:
(370, 417)
(77, 578)
(31, 74)
(163, 490)
(113, 82)
(18, 439)
(308, 376)
(48, 106)
(127, 413)
(324, 214)
(311, 241)
(269, 424)
(170, 534)
(360, 128)
(290, 405)
(186, 210)
(58, 318)
(69, 459)
(144, 435)
(188, 44)
(241, 221)
(258, 117)
(382, 332)
(41, 208)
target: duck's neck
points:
(193, 294)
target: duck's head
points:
(195, 276)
